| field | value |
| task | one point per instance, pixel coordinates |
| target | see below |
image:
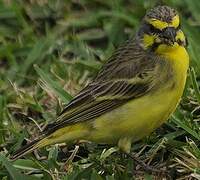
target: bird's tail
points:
(66, 134)
(30, 147)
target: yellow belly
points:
(135, 119)
(141, 116)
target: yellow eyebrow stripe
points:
(161, 24)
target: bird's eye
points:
(150, 29)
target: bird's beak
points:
(169, 34)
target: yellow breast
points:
(179, 59)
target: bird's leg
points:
(124, 145)
(145, 166)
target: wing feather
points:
(129, 73)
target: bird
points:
(136, 90)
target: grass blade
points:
(53, 85)
(186, 128)
(195, 84)
(14, 173)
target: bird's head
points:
(161, 26)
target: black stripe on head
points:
(162, 13)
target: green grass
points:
(49, 50)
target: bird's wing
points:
(128, 74)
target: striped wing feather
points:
(128, 74)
